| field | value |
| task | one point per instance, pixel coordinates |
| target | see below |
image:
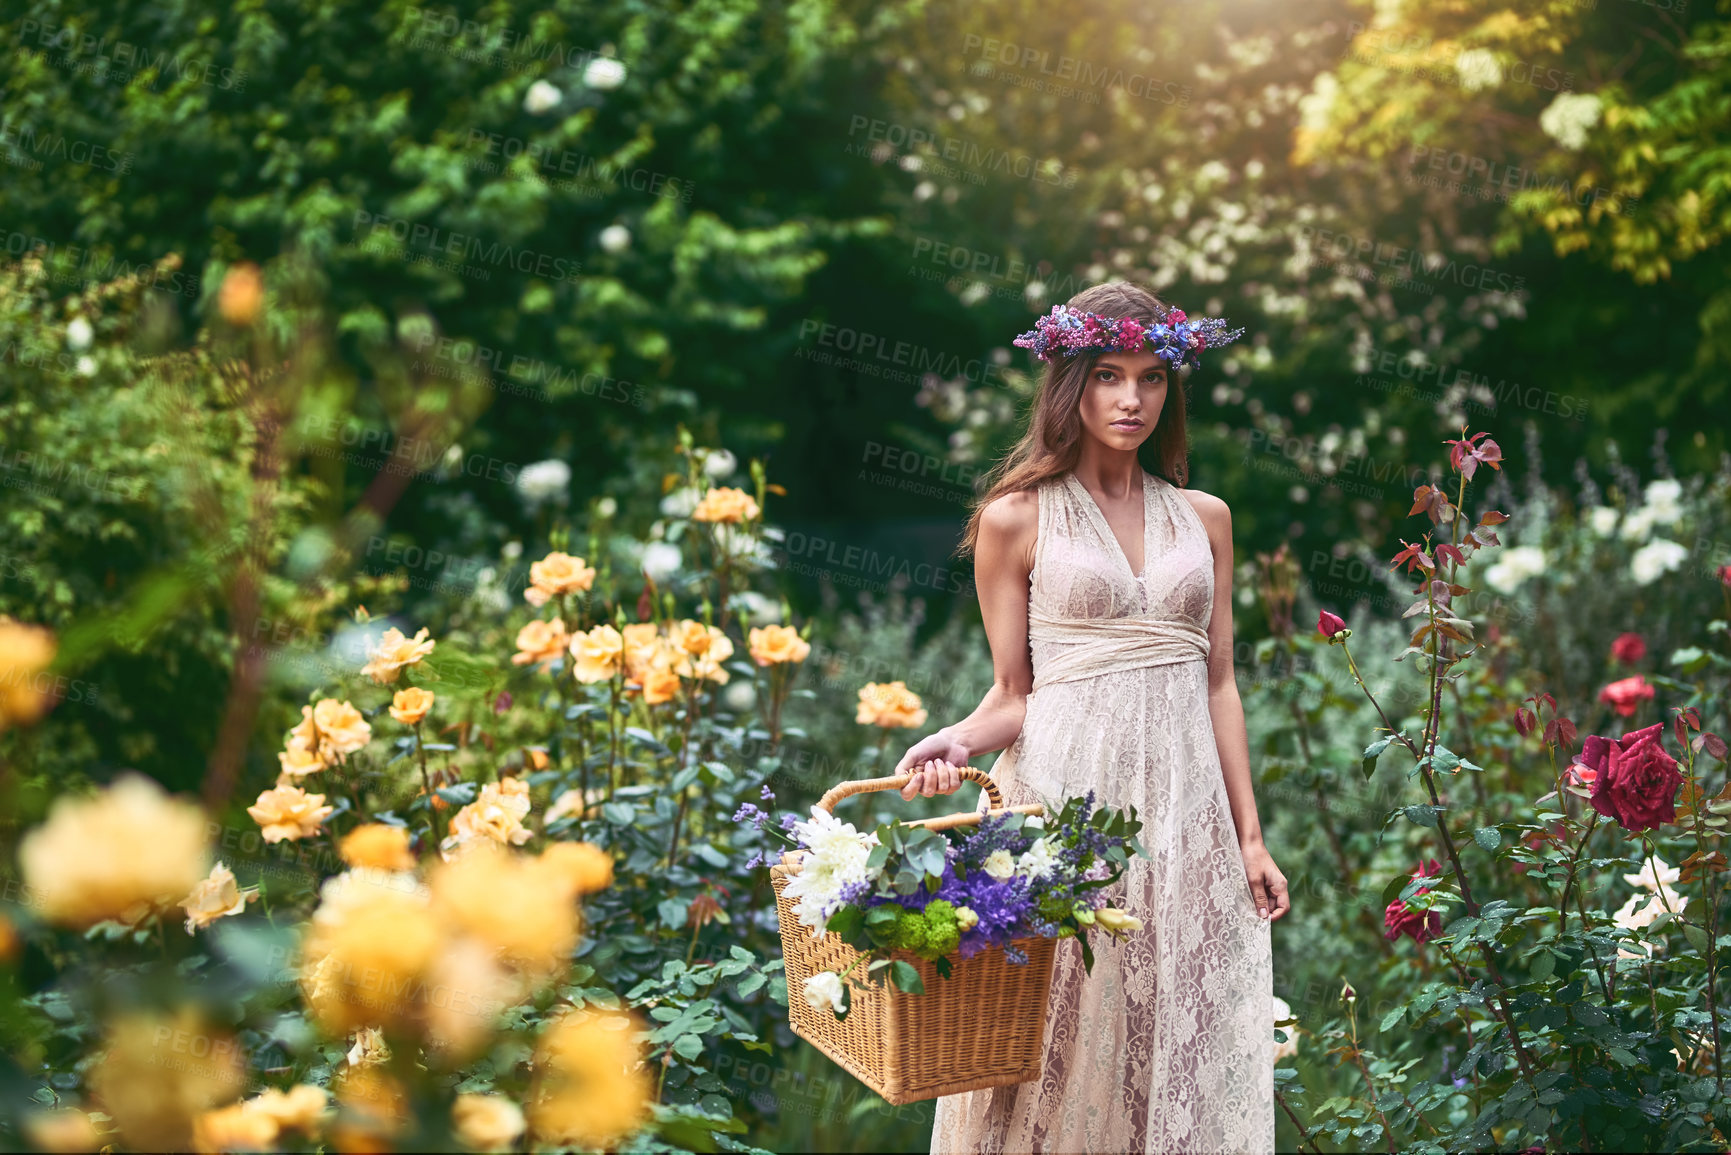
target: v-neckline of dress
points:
(1105, 526)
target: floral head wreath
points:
(1176, 339)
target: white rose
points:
(824, 990)
(606, 508)
(999, 864)
(543, 481)
(1478, 68)
(661, 560)
(604, 73)
(1657, 557)
(720, 463)
(615, 238)
(680, 502)
(1603, 519)
(79, 334)
(541, 97)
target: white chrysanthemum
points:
(1657, 557)
(543, 481)
(1644, 877)
(823, 991)
(541, 97)
(999, 864)
(836, 858)
(1514, 567)
(615, 238)
(661, 560)
(1603, 520)
(1040, 859)
(79, 334)
(1478, 68)
(1661, 499)
(1570, 117)
(604, 73)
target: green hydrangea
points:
(931, 934)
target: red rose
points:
(1637, 781)
(1628, 649)
(1328, 624)
(1725, 574)
(1419, 925)
(1626, 694)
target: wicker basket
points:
(984, 1026)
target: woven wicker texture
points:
(981, 1027)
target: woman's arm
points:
(1003, 558)
(1226, 711)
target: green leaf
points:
(672, 912)
(1697, 937)
(618, 813)
(907, 977)
(1392, 1017)
(846, 922)
(1374, 751)
(1544, 965)
(688, 1047)
(1488, 837)
(1443, 759)
(1422, 815)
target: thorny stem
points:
(1502, 1013)
(1304, 1136)
(1358, 1060)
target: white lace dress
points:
(1169, 1045)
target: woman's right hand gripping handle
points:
(1004, 557)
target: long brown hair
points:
(1052, 443)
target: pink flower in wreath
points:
(1636, 781)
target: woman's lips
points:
(1128, 424)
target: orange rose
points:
(556, 574)
(411, 705)
(393, 652)
(645, 649)
(377, 845)
(583, 867)
(773, 645)
(541, 643)
(889, 705)
(725, 503)
(660, 686)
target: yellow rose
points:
(301, 1109)
(541, 643)
(236, 1127)
(590, 1089)
(773, 645)
(725, 503)
(158, 1074)
(66, 1130)
(411, 705)
(583, 867)
(496, 815)
(365, 955)
(487, 1122)
(377, 846)
(660, 686)
(288, 812)
(569, 802)
(598, 654)
(557, 574)
(393, 652)
(481, 990)
(702, 649)
(335, 729)
(503, 899)
(891, 704)
(25, 651)
(297, 762)
(128, 850)
(645, 650)
(215, 897)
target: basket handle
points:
(897, 781)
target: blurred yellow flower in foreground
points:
(555, 575)
(590, 1089)
(377, 845)
(289, 813)
(411, 705)
(128, 850)
(505, 900)
(301, 1108)
(25, 652)
(890, 704)
(496, 815)
(215, 897)
(158, 1074)
(374, 1108)
(233, 1128)
(582, 866)
(393, 652)
(487, 1122)
(598, 654)
(773, 645)
(363, 959)
(66, 1130)
(542, 643)
(726, 503)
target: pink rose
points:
(1419, 925)
(1628, 649)
(1636, 781)
(1328, 624)
(1626, 694)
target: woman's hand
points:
(1267, 884)
(936, 763)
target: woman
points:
(1106, 593)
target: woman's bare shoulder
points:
(1215, 514)
(1012, 513)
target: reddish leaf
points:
(1493, 517)
(1713, 744)
(1525, 721)
(1414, 557)
(1450, 552)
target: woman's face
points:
(1122, 397)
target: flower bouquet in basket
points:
(977, 901)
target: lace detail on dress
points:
(1169, 1045)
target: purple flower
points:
(748, 812)
(768, 795)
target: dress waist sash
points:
(1077, 648)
